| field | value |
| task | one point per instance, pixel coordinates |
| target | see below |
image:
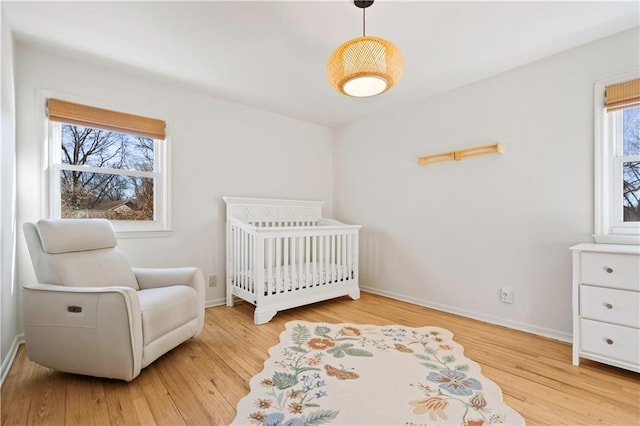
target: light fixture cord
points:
(364, 23)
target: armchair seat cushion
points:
(166, 308)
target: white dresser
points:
(606, 304)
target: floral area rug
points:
(351, 374)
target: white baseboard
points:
(11, 356)
(215, 302)
(540, 331)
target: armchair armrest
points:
(163, 277)
(95, 331)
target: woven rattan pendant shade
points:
(373, 60)
(364, 66)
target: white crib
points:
(282, 254)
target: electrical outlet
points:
(213, 280)
(506, 295)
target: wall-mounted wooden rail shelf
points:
(461, 153)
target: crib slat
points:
(332, 265)
(330, 258)
(336, 265)
(293, 271)
(285, 265)
(300, 278)
(236, 255)
(321, 279)
(314, 260)
(295, 259)
(294, 264)
(300, 262)
(243, 260)
(269, 273)
(289, 285)
(338, 257)
(243, 250)
(349, 254)
(246, 270)
(339, 262)
(237, 246)
(241, 275)
(247, 260)
(327, 260)
(278, 242)
(308, 281)
(250, 269)
(345, 239)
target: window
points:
(618, 162)
(107, 164)
(629, 163)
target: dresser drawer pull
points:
(609, 341)
(608, 305)
(609, 270)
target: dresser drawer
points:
(615, 306)
(612, 270)
(612, 341)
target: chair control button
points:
(74, 309)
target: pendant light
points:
(364, 66)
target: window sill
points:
(617, 239)
(144, 234)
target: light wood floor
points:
(201, 381)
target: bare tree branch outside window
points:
(631, 169)
(109, 195)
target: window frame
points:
(52, 167)
(608, 160)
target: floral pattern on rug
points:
(316, 360)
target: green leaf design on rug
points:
(284, 380)
(300, 334)
(357, 352)
(320, 417)
(322, 330)
(428, 365)
(347, 349)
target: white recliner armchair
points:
(91, 313)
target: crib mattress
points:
(291, 277)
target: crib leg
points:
(355, 294)
(229, 297)
(263, 316)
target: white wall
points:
(9, 299)
(217, 148)
(450, 234)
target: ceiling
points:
(273, 54)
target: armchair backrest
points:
(77, 253)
